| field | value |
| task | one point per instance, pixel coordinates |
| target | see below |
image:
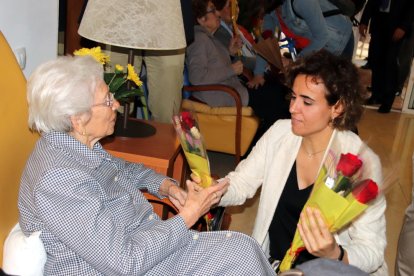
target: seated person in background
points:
(326, 102)
(87, 204)
(208, 62)
(253, 62)
(305, 19)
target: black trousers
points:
(384, 55)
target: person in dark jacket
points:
(391, 22)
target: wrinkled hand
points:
(316, 236)
(177, 196)
(237, 67)
(256, 82)
(398, 34)
(200, 200)
(362, 30)
(196, 179)
(235, 45)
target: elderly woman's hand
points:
(316, 236)
(235, 45)
(177, 196)
(200, 200)
(174, 193)
(237, 67)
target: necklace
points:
(312, 154)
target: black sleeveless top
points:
(286, 217)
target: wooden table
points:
(161, 152)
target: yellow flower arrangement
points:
(117, 80)
(132, 75)
(95, 52)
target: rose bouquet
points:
(192, 142)
(341, 192)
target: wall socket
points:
(20, 54)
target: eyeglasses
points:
(212, 10)
(109, 101)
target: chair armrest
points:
(199, 107)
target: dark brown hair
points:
(219, 4)
(341, 80)
(199, 9)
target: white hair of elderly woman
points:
(59, 89)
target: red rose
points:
(348, 164)
(209, 216)
(187, 119)
(365, 191)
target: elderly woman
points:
(325, 104)
(249, 58)
(87, 204)
(208, 62)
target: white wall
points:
(33, 25)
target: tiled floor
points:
(391, 137)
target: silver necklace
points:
(312, 154)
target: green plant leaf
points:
(108, 77)
(116, 84)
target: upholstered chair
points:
(225, 129)
(16, 140)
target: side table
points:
(161, 152)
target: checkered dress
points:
(95, 221)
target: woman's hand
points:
(316, 236)
(256, 82)
(237, 67)
(362, 28)
(175, 194)
(235, 45)
(196, 179)
(200, 200)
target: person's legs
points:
(405, 58)
(216, 253)
(164, 81)
(379, 49)
(391, 76)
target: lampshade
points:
(136, 24)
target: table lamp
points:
(133, 24)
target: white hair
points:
(61, 88)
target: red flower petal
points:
(348, 164)
(365, 191)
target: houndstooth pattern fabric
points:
(95, 221)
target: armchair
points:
(16, 139)
(225, 129)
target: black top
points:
(284, 223)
